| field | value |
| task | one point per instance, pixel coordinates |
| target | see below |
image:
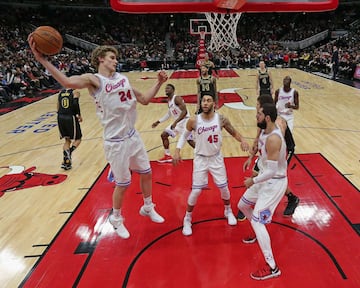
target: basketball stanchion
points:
(223, 30)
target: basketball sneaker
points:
(165, 159)
(152, 214)
(66, 165)
(187, 231)
(230, 217)
(266, 273)
(240, 216)
(250, 239)
(118, 224)
(291, 206)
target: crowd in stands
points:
(163, 41)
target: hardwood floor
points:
(326, 123)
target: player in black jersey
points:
(293, 200)
(210, 65)
(69, 119)
(264, 84)
(206, 85)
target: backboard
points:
(221, 6)
(199, 25)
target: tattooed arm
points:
(233, 132)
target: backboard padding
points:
(195, 6)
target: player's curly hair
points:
(101, 51)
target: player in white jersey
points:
(265, 191)
(293, 200)
(116, 107)
(287, 100)
(180, 114)
(207, 128)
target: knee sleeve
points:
(225, 193)
(194, 195)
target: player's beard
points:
(262, 125)
(210, 109)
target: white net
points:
(223, 30)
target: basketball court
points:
(89, 254)
(56, 222)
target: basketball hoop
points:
(223, 30)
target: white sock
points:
(188, 215)
(167, 152)
(228, 208)
(148, 201)
(116, 212)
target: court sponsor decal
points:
(41, 124)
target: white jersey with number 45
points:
(208, 136)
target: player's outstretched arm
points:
(144, 98)
(190, 124)
(162, 119)
(75, 82)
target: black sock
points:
(66, 155)
(72, 148)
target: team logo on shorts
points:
(265, 216)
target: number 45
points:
(213, 138)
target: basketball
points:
(48, 40)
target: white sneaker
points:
(118, 224)
(230, 217)
(187, 231)
(154, 216)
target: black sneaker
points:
(66, 165)
(291, 206)
(240, 216)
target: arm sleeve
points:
(183, 138)
(268, 173)
(165, 117)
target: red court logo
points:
(19, 178)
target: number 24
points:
(124, 96)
